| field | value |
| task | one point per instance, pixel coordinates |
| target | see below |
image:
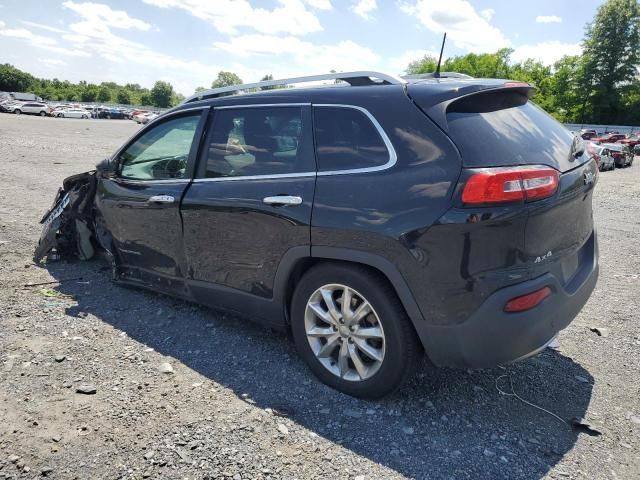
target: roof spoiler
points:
(476, 97)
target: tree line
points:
(600, 86)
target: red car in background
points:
(609, 138)
(631, 140)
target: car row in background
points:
(612, 155)
(629, 139)
(76, 111)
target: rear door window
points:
(259, 141)
(347, 139)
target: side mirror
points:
(107, 167)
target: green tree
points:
(146, 100)
(226, 79)
(104, 94)
(14, 80)
(123, 97)
(89, 94)
(200, 89)
(611, 50)
(162, 94)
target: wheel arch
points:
(299, 260)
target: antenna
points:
(437, 72)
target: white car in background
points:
(148, 117)
(71, 113)
(34, 108)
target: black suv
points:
(374, 218)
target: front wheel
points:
(85, 117)
(17, 111)
(352, 331)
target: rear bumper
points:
(492, 337)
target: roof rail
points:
(359, 78)
(422, 76)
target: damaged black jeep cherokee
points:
(376, 218)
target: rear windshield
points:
(523, 134)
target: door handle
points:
(161, 199)
(282, 200)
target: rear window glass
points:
(508, 136)
(347, 139)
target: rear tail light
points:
(510, 184)
(528, 301)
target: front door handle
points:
(282, 200)
(161, 199)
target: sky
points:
(187, 42)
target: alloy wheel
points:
(344, 332)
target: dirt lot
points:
(240, 404)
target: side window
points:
(162, 152)
(256, 141)
(347, 139)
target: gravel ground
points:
(183, 392)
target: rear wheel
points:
(84, 116)
(43, 113)
(352, 331)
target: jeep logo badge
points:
(588, 177)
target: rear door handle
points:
(283, 200)
(161, 199)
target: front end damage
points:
(69, 226)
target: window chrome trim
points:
(135, 181)
(393, 157)
(255, 177)
(259, 105)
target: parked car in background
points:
(137, 115)
(631, 140)
(608, 138)
(33, 108)
(621, 154)
(602, 156)
(587, 134)
(146, 118)
(110, 114)
(73, 113)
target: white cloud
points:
(546, 52)
(320, 4)
(464, 25)
(548, 19)
(227, 16)
(487, 14)
(363, 8)
(54, 62)
(298, 57)
(102, 15)
(39, 41)
(48, 28)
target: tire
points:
(43, 113)
(85, 117)
(61, 115)
(108, 117)
(398, 346)
(17, 111)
